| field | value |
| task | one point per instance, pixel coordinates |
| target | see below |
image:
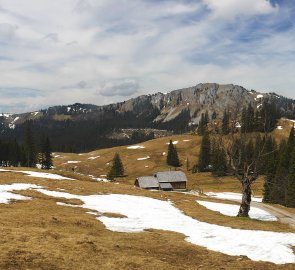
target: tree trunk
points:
(246, 198)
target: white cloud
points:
(229, 9)
(105, 51)
(7, 31)
(123, 88)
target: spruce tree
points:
(117, 169)
(218, 159)
(269, 169)
(250, 118)
(30, 147)
(205, 150)
(244, 122)
(46, 154)
(290, 193)
(203, 123)
(225, 123)
(172, 155)
(282, 172)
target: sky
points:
(58, 52)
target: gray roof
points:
(165, 186)
(171, 177)
(148, 182)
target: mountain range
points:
(83, 127)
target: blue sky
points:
(103, 51)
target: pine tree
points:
(283, 168)
(117, 169)
(225, 123)
(46, 154)
(203, 123)
(187, 165)
(172, 155)
(218, 159)
(269, 169)
(30, 147)
(244, 122)
(250, 118)
(204, 157)
(290, 193)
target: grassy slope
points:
(187, 147)
(39, 234)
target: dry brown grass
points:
(133, 167)
(39, 234)
(283, 133)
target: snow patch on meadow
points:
(146, 213)
(174, 142)
(93, 158)
(230, 196)
(144, 158)
(99, 179)
(232, 210)
(6, 194)
(40, 174)
(136, 147)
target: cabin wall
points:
(178, 185)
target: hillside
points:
(149, 157)
(84, 127)
(89, 223)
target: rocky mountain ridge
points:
(197, 99)
(176, 111)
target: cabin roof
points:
(148, 182)
(171, 177)
(166, 186)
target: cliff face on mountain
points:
(86, 125)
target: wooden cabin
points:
(167, 181)
(176, 179)
(147, 182)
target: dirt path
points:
(282, 215)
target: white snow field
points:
(232, 210)
(174, 142)
(93, 158)
(40, 174)
(136, 147)
(230, 196)
(5, 192)
(99, 179)
(73, 162)
(147, 213)
(144, 158)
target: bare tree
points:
(243, 161)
